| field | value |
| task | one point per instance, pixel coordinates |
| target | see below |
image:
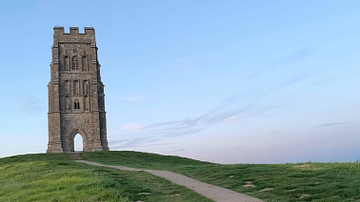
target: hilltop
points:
(54, 177)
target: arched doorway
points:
(78, 143)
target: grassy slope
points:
(54, 177)
(290, 182)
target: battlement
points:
(58, 30)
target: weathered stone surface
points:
(76, 93)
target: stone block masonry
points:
(76, 93)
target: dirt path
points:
(215, 193)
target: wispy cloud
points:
(161, 124)
(131, 127)
(177, 150)
(330, 124)
(198, 124)
(136, 142)
(225, 113)
(233, 119)
(179, 133)
(114, 142)
(292, 58)
(135, 98)
(137, 145)
(32, 104)
(290, 81)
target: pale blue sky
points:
(222, 81)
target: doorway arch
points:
(78, 143)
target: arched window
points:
(86, 87)
(66, 63)
(75, 63)
(84, 64)
(76, 104)
(76, 87)
(67, 103)
(86, 103)
(67, 87)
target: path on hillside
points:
(215, 193)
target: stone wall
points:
(76, 92)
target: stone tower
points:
(76, 93)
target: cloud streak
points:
(138, 145)
(177, 150)
(136, 142)
(222, 114)
(131, 127)
(198, 124)
(330, 124)
(295, 57)
(32, 104)
(175, 134)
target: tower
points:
(76, 93)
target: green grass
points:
(54, 177)
(289, 182)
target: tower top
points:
(59, 30)
(74, 36)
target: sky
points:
(235, 81)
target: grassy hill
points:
(270, 182)
(54, 177)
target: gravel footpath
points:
(215, 193)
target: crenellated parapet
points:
(60, 36)
(74, 31)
